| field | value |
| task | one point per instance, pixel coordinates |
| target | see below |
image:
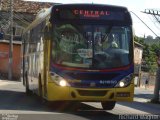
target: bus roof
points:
(91, 5)
(46, 12)
(102, 12)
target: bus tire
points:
(28, 92)
(108, 105)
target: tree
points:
(149, 52)
(149, 37)
(139, 39)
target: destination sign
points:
(91, 13)
(79, 14)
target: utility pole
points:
(156, 14)
(157, 82)
(10, 42)
(151, 12)
(0, 4)
(145, 24)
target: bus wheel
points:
(28, 92)
(108, 105)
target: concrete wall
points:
(138, 55)
(138, 51)
(151, 80)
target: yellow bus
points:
(80, 52)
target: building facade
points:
(24, 12)
(138, 51)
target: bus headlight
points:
(121, 84)
(125, 81)
(62, 83)
(59, 80)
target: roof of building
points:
(138, 44)
(24, 6)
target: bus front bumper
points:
(58, 93)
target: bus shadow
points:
(19, 101)
(84, 111)
(14, 100)
(144, 96)
(142, 106)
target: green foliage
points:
(149, 53)
(139, 39)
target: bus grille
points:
(88, 85)
(92, 93)
(92, 76)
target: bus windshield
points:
(91, 46)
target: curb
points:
(136, 99)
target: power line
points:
(155, 14)
(154, 21)
(21, 19)
(145, 24)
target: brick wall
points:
(4, 60)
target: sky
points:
(136, 6)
